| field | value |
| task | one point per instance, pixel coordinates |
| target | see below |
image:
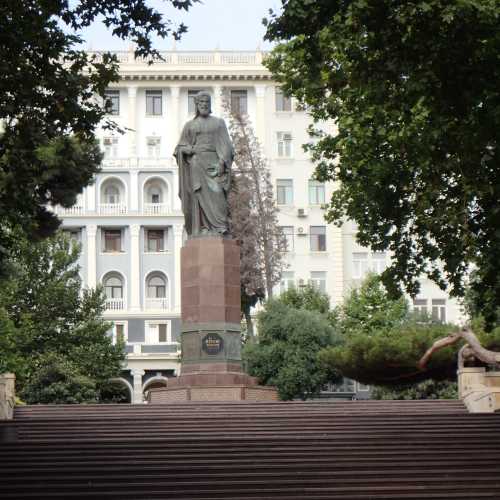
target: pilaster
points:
(132, 120)
(178, 232)
(90, 202)
(134, 190)
(260, 95)
(174, 114)
(135, 283)
(217, 104)
(91, 256)
(176, 201)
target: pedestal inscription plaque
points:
(212, 343)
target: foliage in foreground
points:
(413, 90)
(381, 341)
(48, 105)
(428, 389)
(54, 332)
(289, 340)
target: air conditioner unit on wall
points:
(301, 212)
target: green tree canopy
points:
(47, 316)
(381, 340)
(288, 344)
(412, 89)
(48, 110)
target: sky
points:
(222, 24)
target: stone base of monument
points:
(211, 335)
(212, 387)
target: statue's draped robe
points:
(202, 191)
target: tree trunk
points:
(473, 345)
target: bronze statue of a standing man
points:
(204, 156)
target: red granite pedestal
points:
(211, 336)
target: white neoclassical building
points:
(129, 220)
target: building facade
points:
(129, 221)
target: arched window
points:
(111, 194)
(156, 287)
(113, 287)
(156, 197)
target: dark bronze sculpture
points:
(204, 156)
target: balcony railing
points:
(74, 210)
(139, 162)
(115, 304)
(112, 209)
(156, 209)
(156, 304)
(191, 58)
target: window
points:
(420, 307)
(282, 103)
(287, 281)
(110, 145)
(316, 192)
(158, 333)
(111, 194)
(288, 234)
(318, 238)
(153, 145)
(359, 264)
(153, 102)
(154, 194)
(119, 332)
(239, 104)
(284, 191)
(155, 240)
(379, 263)
(113, 287)
(112, 240)
(112, 102)
(439, 310)
(284, 144)
(318, 280)
(156, 287)
(191, 104)
(347, 385)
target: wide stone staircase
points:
(269, 450)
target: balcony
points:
(112, 209)
(156, 304)
(71, 211)
(115, 304)
(135, 162)
(156, 209)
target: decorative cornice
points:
(192, 65)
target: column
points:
(132, 121)
(91, 256)
(134, 190)
(217, 104)
(135, 275)
(178, 232)
(137, 397)
(260, 126)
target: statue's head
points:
(202, 101)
